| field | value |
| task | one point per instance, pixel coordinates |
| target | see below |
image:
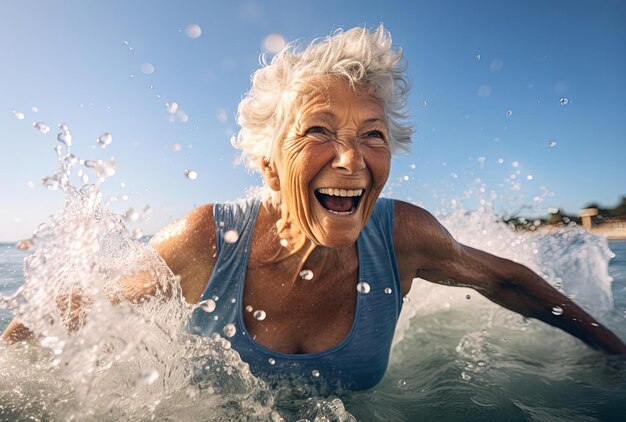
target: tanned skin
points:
(338, 140)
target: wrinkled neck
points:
(282, 236)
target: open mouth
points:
(339, 201)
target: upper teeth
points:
(341, 192)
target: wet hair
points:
(361, 56)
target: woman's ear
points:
(270, 175)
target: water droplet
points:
(249, 308)
(137, 234)
(388, 290)
(594, 324)
(193, 31)
(405, 178)
(176, 147)
(496, 64)
(274, 43)
(564, 101)
(172, 107)
(284, 243)
(182, 116)
(104, 140)
(191, 174)
(131, 215)
(412, 166)
(556, 310)
(306, 275)
(424, 104)
(231, 236)
(41, 127)
(208, 305)
(515, 164)
(191, 392)
(34, 109)
(149, 377)
(552, 143)
(18, 115)
(230, 330)
(147, 68)
(24, 245)
(233, 300)
(51, 183)
(477, 58)
(468, 297)
(481, 363)
(259, 315)
(315, 373)
(103, 169)
(271, 361)
(363, 287)
(509, 113)
(484, 91)
(65, 137)
(465, 376)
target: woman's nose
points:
(349, 158)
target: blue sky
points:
(470, 63)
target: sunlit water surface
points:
(456, 355)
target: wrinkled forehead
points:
(322, 88)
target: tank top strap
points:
(377, 253)
(234, 223)
(234, 228)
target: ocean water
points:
(458, 359)
(456, 356)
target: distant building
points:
(617, 222)
(586, 214)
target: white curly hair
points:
(363, 57)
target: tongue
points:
(337, 203)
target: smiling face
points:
(333, 161)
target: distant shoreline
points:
(610, 233)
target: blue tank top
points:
(359, 361)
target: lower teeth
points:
(342, 212)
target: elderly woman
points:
(307, 280)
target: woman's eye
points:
(375, 134)
(315, 129)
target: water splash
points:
(108, 346)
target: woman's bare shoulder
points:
(187, 246)
(417, 231)
(411, 219)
